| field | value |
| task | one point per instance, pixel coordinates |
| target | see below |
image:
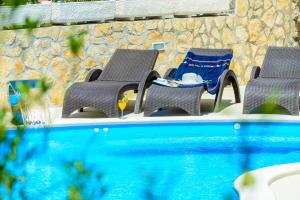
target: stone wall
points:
(297, 20)
(256, 25)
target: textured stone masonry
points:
(256, 25)
(296, 18)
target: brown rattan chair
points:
(277, 82)
(126, 70)
(188, 99)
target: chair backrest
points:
(129, 65)
(281, 62)
(211, 52)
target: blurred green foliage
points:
(76, 42)
(157, 185)
(30, 25)
(13, 3)
(11, 162)
(80, 176)
(248, 180)
(149, 190)
(16, 3)
(12, 175)
(84, 182)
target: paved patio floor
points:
(231, 112)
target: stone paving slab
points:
(233, 112)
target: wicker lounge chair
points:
(126, 70)
(277, 82)
(188, 99)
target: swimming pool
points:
(185, 161)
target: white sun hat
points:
(191, 78)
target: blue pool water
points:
(188, 161)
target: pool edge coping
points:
(176, 119)
(264, 178)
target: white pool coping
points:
(279, 182)
(173, 119)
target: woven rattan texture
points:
(281, 62)
(100, 95)
(187, 99)
(278, 82)
(211, 52)
(282, 92)
(128, 65)
(103, 94)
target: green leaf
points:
(99, 176)
(3, 112)
(74, 194)
(23, 88)
(79, 166)
(125, 99)
(103, 190)
(248, 179)
(30, 25)
(76, 42)
(14, 3)
(11, 182)
(44, 85)
(2, 133)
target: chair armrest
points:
(255, 72)
(224, 77)
(169, 73)
(228, 77)
(149, 76)
(93, 75)
(145, 83)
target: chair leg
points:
(139, 101)
(140, 97)
(218, 99)
(195, 112)
(148, 113)
(68, 109)
(197, 109)
(65, 115)
(141, 91)
(294, 112)
(236, 89)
